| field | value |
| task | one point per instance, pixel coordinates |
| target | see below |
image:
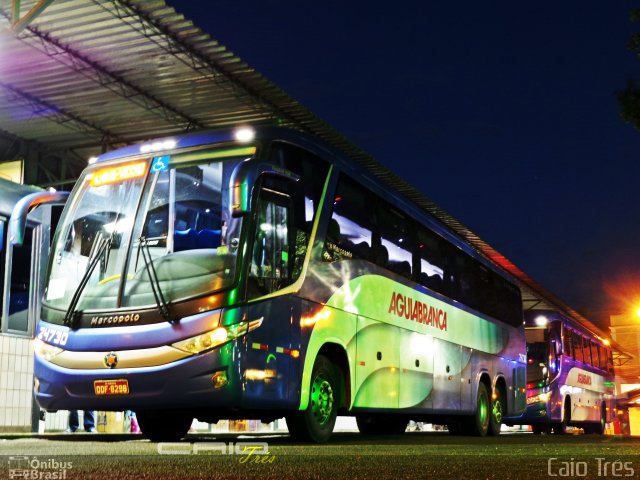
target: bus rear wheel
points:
(381, 424)
(478, 424)
(164, 425)
(316, 422)
(498, 408)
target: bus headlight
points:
(543, 397)
(45, 350)
(214, 338)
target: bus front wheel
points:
(316, 422)
(599, 428)
(561, 428)
(164, 426)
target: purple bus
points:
(570, 379)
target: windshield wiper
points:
(72, 317)
(162, 304)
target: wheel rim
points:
(321, 400)
(497, 411)
(483, 411)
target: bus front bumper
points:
(197, 381)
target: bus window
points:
(595, 359)
(487, 290)
(568, 350)
(431, 252)
(610, 361)
(305, 194)
(349, 231)
(466, 290)
(509, 302)
(396, 239)
(270, 266)
(602, 356)
(577, 347)
(20, 284)
(586, 350)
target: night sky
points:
(503, 113)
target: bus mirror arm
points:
(244, 178)
(18, 219)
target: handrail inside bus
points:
(18, 219)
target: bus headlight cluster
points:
(217, 337)
(45, 350)
(543, 397)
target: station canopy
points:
(85, 76)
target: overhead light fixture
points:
(244, 134)
(541, 321)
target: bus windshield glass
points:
(165, 226)
(537, 356)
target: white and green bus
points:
(258, 273)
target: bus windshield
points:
(165, 226)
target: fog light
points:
(219, 379)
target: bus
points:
(258, 273)
(570, 376)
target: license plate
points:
(111, 387)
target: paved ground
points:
(415, 455)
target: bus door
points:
(447, 366)
(270, 270)
(25, 249)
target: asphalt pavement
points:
(414, 455)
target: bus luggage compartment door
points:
(447, 359)
(377, 362)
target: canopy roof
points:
(90, 75)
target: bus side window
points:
(595, 360)
(271, 255)
(602, 355)
(395, 238)
(586, 352)
(349, 231)
(305, 194)
(465, 290)
(577, 347)
(568, 350)
(610, 361)
(431, 258)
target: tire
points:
(599, 428)
(381, 424)
(315, 424)
(164, 426)
(536, 429)
(561, 428)
(498, 410)
(478, 424)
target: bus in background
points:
(257, 273)
(24, 247)
(570, 377)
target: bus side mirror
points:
(244, 178)
(18, 219)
